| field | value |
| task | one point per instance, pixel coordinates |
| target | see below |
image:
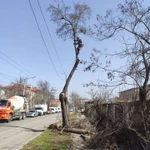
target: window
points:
(3, 102)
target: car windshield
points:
(3, 102)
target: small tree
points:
(70, 22)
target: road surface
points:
(14, 135)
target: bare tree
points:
(132, 19)
(70, 22)
(101, 95)
(93, 93)
(46, 91)
(76, 100)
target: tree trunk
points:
(63, 98)
(143, 95)
(78, 131)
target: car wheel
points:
(23, 116)
(10, 118)
(20, 117)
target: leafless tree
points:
(131, 19)
(100, 95)
(46, 91)
(76, 100)
(93, 93)
(70, 23)
(132, 22)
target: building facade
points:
(132, 94)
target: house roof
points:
(86, 100)
(128, 90)
(13, 85)
(19, 85)
(136, 88)
(56, 101)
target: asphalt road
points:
(17, 133)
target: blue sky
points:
(20, 40)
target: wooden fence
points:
(129, 112)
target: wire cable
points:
(4, 82)
(43, 38)
(16, 63)
(50, 35)
(14, 66)
(7, 75)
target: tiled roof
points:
(56, 101)
(17, 85)
(13, 85)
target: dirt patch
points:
(80, 141)
(77, 143)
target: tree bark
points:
(78, 131)
(143, 95)
(63, 98)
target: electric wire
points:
(16, 63)
(22, 68)
(4, 82)
(43, 38)
(14, 66)
(7, 75)
(50, 34)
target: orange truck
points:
(14, 107)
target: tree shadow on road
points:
(30, 129)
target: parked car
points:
(32, 113)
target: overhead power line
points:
(8, 77)
(17, 64)
(14, 66)
(43, 38)
(50, 34)
(4, 82)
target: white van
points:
(58, 109)
(53, 109)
